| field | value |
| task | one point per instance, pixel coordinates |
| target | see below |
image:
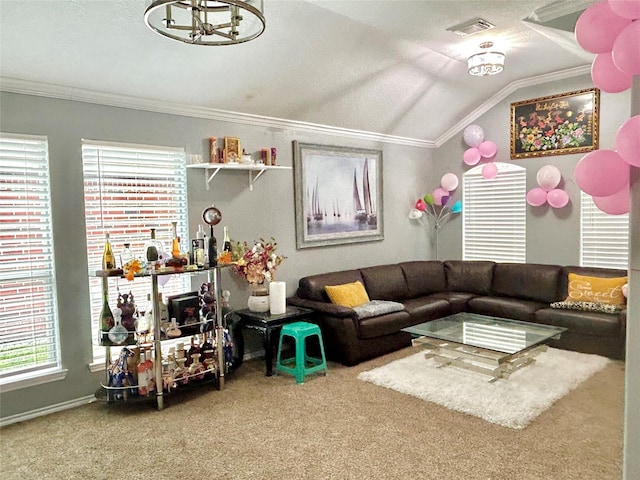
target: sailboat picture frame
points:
(338, 195)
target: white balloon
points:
(548, 177)
(449, 182)
(473, 135)
(415, 214)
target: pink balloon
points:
(438, 193)
(602, 173)
(471, 156)
(625, 8)
(616, 204)
(449, 182)
(536, 197)
(489, 171)
(628, 141)
(606, 75)
(487, 149)
(626, 50)
(598, 27)
(548, 177)
(557, 198)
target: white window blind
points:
(604, 238)
(494, 215)
(28, 308)
(129, 189)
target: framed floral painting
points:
(338, 194)
(555, 125)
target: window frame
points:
(103, 185)
(38, 254)
(475, 204)
(596, 226)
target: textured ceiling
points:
(388, 67)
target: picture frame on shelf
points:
(560, 124)
(232, 150)
(338, 195)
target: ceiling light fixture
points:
(486, 63)
(206, 22)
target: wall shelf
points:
(255, 171)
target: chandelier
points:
(486, 63)
(206, 22)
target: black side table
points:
(269, 326)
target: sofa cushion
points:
(381, 325)
(581, 323)
(425, 309)
(469, 276)
(527, 281)
(312, 287)
(377, 307)
(385, 282)
(457, 300)
(504, 307)
(582, 288)
(424, 277)
(348, 294)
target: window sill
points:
(32, 379)
(97, 366)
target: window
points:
(129, 189)
(604, 238)
(29, 344)
(494, 215)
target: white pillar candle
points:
(278, 298)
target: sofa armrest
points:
(323, 307)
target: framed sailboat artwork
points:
(338, 195)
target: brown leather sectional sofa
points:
(433, 289)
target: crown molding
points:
(26, 87)
(505, 92)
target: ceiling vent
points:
(471, 27)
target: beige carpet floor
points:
(333, 427)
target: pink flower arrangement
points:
(258, 263)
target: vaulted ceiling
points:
(389, 67)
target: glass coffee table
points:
(490, 345)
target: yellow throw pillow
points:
(596, 289)
(348, 295)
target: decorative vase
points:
(259, 300)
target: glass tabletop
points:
(482, 331)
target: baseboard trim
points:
(40, 412)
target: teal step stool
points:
(303, 363)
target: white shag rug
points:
(513, 402)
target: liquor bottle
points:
(106, 321)
(151, 251)
(118, 334)
(126, 255)
(226, 246)
(162, 315)
(175, 242)
(197, 247)
(142, 323)
(108, 258)
(213, 250)
(142, 375)
(151, 374)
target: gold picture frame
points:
(555, 125)
(232, 150)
